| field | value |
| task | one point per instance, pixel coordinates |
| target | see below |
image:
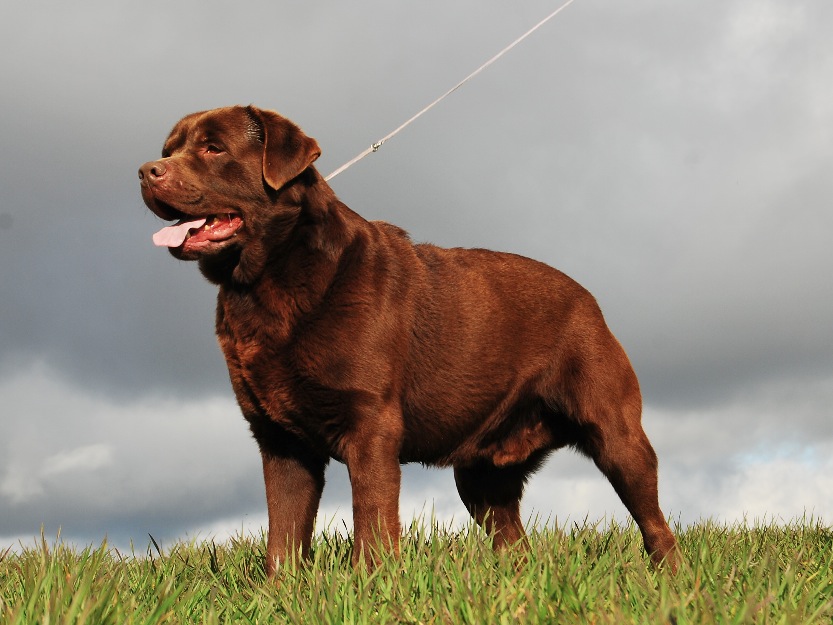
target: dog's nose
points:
(152, 170)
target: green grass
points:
(573, 574)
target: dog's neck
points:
(298, 252)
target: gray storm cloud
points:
(673, 159)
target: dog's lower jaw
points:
(242, 264)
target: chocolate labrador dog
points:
(345, 340)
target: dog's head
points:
(219, 179)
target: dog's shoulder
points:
(391, 230)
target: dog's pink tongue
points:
(174, 236)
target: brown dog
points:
(345, 340)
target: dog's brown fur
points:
(345, 340)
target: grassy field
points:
(574, 574)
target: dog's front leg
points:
(293, 491)
(372, 460)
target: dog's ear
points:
(287, 151)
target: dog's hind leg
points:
(610, 432)
(492, 496)
(627, 459)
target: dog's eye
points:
(213, 149)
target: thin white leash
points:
(378, 144)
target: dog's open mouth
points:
(196, 233)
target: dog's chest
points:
(254, 342)
(271, 378)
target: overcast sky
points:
(675, 158)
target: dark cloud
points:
(673, 159)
